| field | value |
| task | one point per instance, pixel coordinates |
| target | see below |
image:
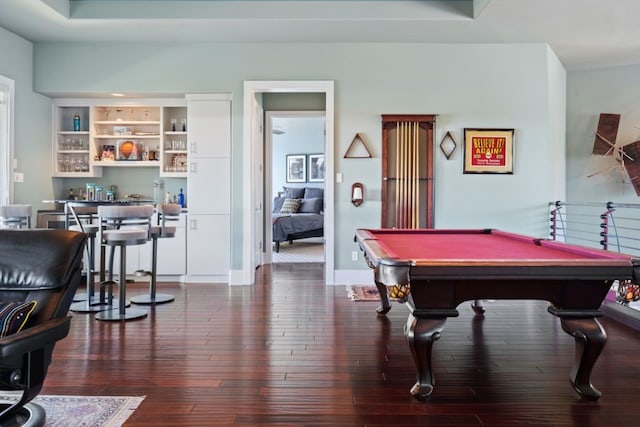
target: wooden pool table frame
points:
(575, 288)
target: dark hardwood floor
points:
(291, 351)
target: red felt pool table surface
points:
(435, 246)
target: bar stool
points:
(122, 226)
(81, 218)
(165, 212)
(15, 216)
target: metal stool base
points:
(85, 307)
(115, 315)
(147, 299)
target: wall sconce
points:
(357, 194)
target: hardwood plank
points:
(290, 351)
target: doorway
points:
(297, 135)
(253, 181)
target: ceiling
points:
(583, 33)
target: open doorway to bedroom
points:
(294, 156)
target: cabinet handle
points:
(193, 224)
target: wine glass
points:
(173, 124)
(107, 112)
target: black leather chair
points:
(42, 266)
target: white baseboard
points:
(236, 277)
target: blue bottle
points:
(76, 123)
(181, 199)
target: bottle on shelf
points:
(76, 122)
(156, 192)
(181, 198)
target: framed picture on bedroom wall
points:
(316, 168)
(296, 168)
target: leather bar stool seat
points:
(165, 212)
(122, 226)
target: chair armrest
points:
(35, 337)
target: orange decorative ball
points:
(126, 148)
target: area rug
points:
(85, 411)
(307, 250)
(362, 293)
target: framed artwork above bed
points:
(316, 168)
(296, 168)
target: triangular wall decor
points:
(349, 155)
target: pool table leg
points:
(477, 307)
(384, 299)
(590, 339)
(421, 333)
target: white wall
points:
(501, 86)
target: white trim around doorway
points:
(251, 90)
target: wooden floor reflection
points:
(290, 351)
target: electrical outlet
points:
(18, 177)
(354, 256)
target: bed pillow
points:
(277, 204)
(293, 192)
(14, 315)
(313, 205)
(313, 193)
(290, 206)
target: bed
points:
(298, 213)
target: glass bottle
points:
(181, 198)
(76, 122)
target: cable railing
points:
(610, 226)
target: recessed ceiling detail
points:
(602, 34)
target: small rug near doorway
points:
(362, 293)
(81, 411)
(301, 251)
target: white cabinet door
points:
(209, 127)
(209, 245)
(209, 189)
(172, 259)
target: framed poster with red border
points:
(488, 151)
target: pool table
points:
(434, 270)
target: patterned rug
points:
(85, 411)
(362, 293)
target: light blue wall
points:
(32, 140)
(591, 92)
(501, 86)
(303, 135)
